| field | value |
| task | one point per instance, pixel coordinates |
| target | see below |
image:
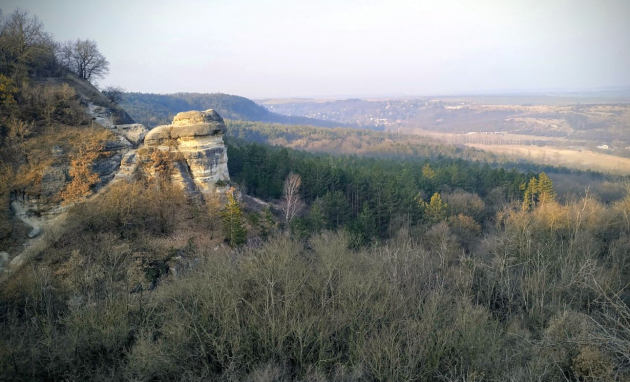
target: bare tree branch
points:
(291, 204)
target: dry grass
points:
(562, 157)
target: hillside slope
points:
(157, 109)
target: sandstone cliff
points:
(195, 152)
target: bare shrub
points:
(462, 202)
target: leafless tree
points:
(114, 94)
(84, 59)
(291, 204)
(24, 46)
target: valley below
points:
(587, 131)
(190, 236)
(537, 149)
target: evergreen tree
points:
(336, 209)
(367, 223)
(266, 223)
(546, 191)
(317, 220)
(233, 222)
(530, 198)
(427, 171)
(435, 210)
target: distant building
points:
(604, 147)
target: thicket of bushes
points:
(539, 296)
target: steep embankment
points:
(66, 141)
(88, 93)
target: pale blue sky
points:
(334, 48)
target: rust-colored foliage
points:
(83, 178)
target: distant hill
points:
(565, 118)
(157, 109)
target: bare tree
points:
(64, 55)
(84, 59)
(114, 94)
(291, 204)
(24, 46)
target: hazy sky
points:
(349, 48)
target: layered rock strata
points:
(194, 142)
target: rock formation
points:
(194, 143)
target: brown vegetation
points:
(541, 294)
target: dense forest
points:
(569, 182)
(159, 109)
(410, 261)
(372, 198)
(352, 141)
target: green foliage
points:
(266, 223)
(435, 210)
(546, 191)
(538, 191)
(368, 196)
(530, 196)
(233, 222)
(427, 171)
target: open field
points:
(494, 138)
(582, 159)
(595, 119)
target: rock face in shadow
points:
(194, 145)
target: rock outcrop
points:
(194, 144)
(133, 133)
(192, 147)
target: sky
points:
(343, 48)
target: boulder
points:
(158, 135)
(198, 130)
(133, 132)
(54, 180)
(128, 165)
(34, 232)
(57, 150)
(195, 117)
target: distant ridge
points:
(158, 109)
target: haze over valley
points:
(315, 191)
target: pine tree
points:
(367, 223)
(427, 171)
(316, 218)
(233, 222)
(530, 198)
(267, 224)
(435, 210)
(546, 191)
(539, 191)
